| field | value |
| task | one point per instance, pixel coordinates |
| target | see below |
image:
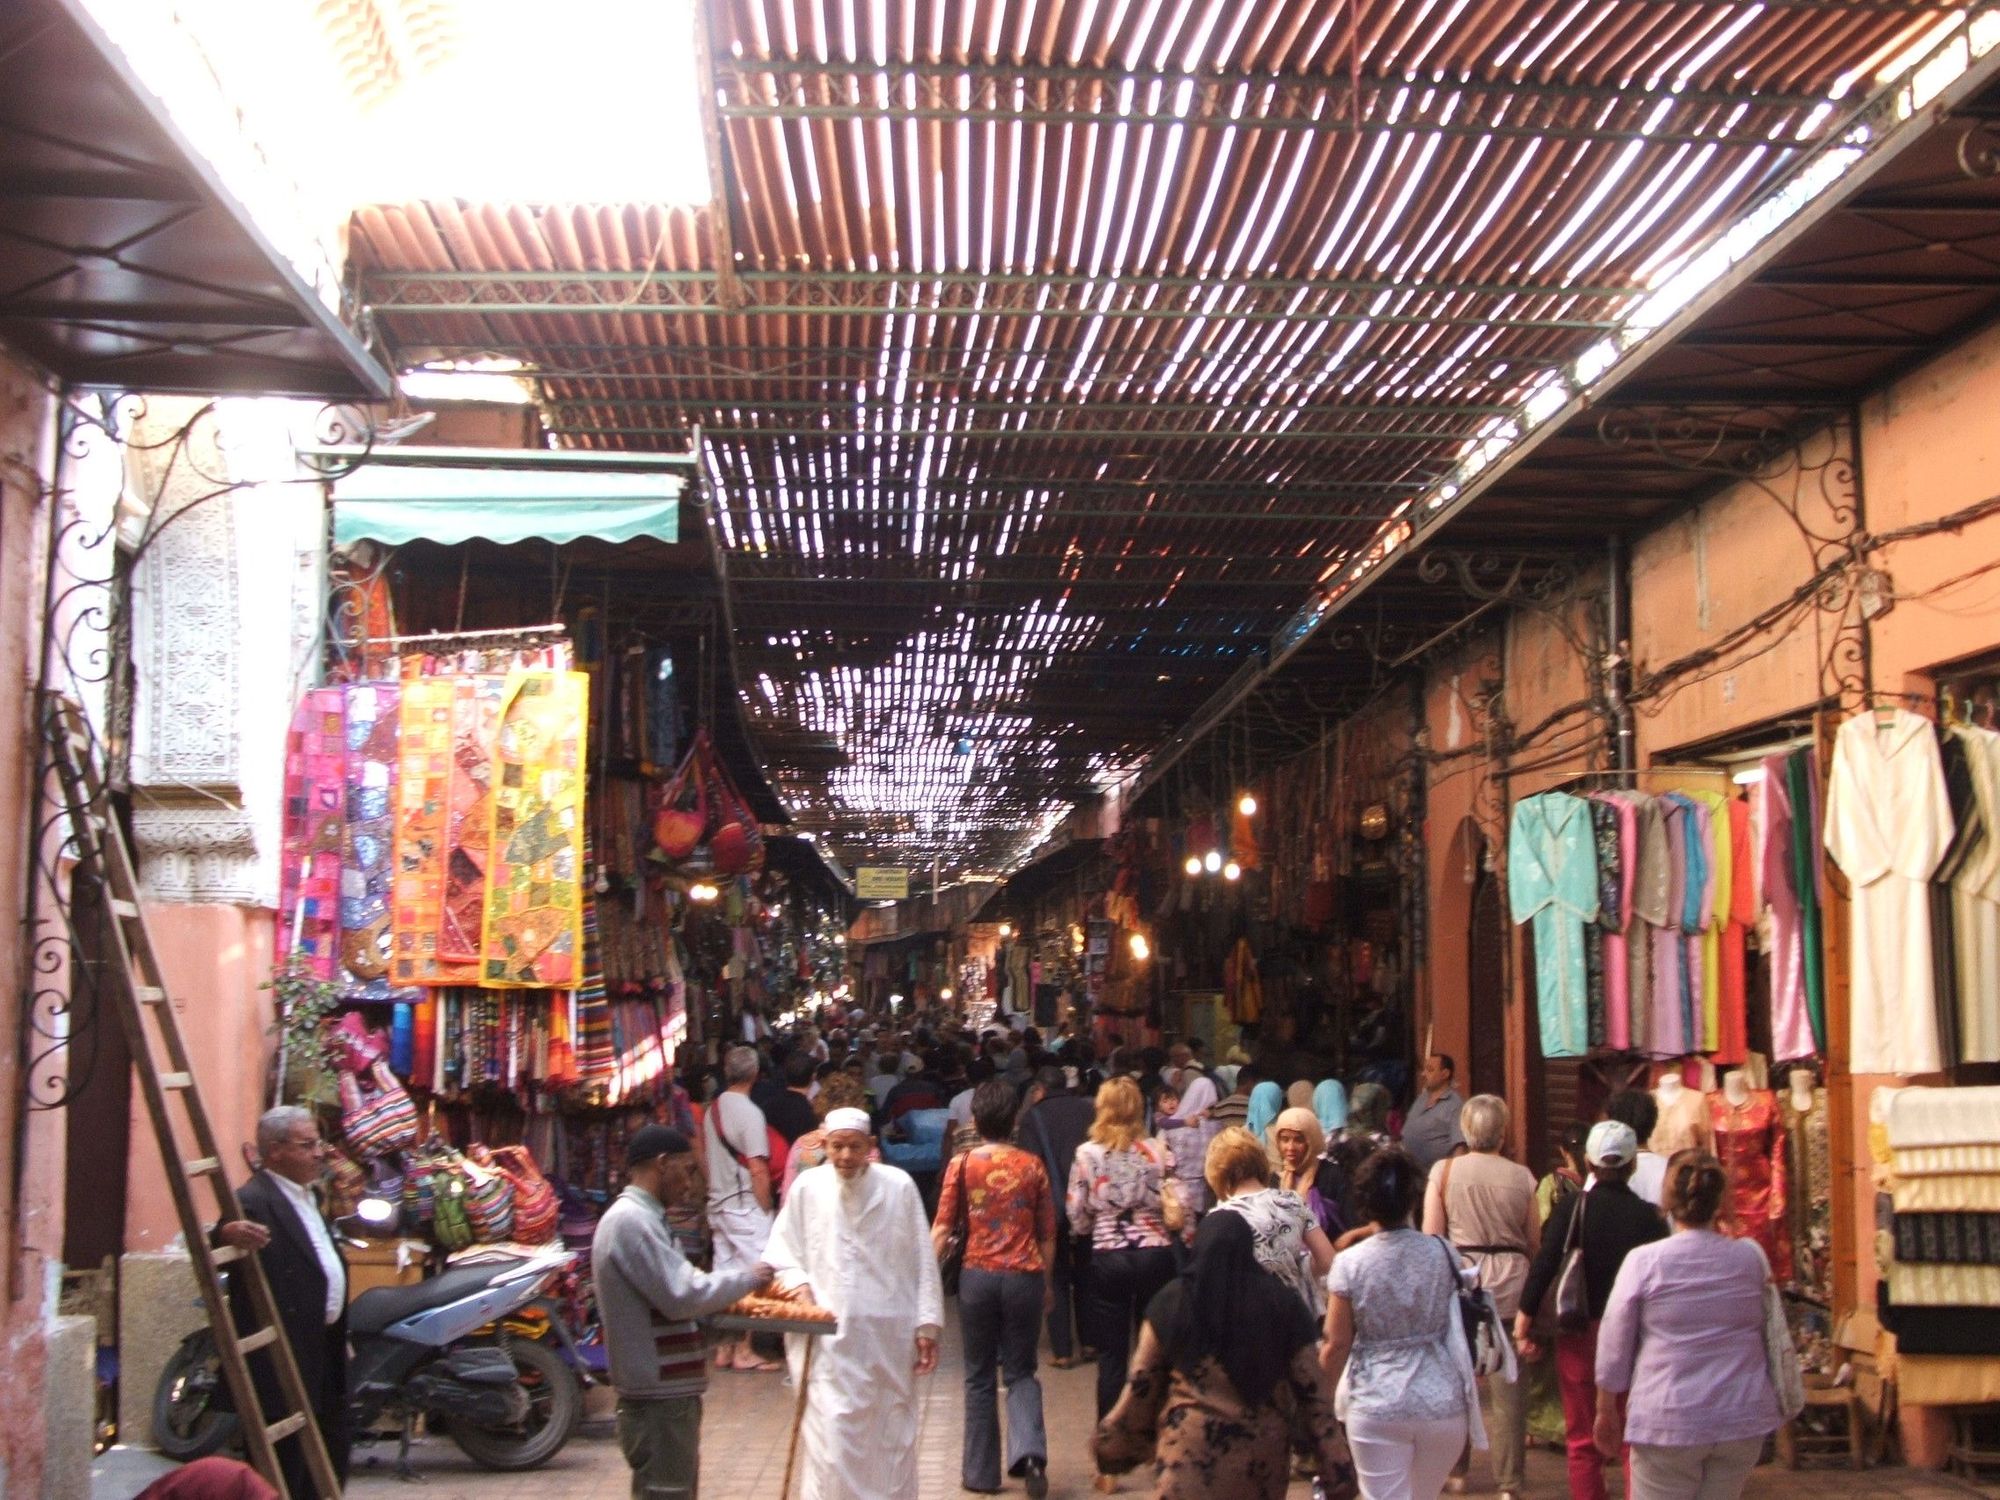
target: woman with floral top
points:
(1003, 1195)
(1114, 1202)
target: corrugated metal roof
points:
(1064, 348)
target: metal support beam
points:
(1011, 93)
(975, 294)
(1075, 422)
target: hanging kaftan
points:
(1552, 880)
(1750, 1141)
(1887, 824)
(1668, 1033)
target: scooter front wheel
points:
(555, 1409)
(190, 1409)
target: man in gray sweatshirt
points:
(649, 1298)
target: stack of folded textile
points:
(1940, 1244)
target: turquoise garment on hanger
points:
(1552, 881)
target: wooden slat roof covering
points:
(1050, 355)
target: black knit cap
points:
(656, 1140)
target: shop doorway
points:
(1486, 981)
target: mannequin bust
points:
(1803, 1082)
(1736, 1088)
(1683, 1119)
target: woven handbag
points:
(535, 1207)
(489, 1200)
(376, 1124)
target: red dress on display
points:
(1750, 1140)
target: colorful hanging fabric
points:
(315, 828)
(373, 721)
(534, 900)
(476, 706)
(423, 786)
(596, 1055)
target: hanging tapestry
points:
(534, 902)
(468, 821)
(423, 784)
(315, 825)
(373, 721)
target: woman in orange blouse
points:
(1003, 1291)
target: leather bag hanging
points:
(951, 1255)
(1567, 1303)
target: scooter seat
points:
(375, 1310)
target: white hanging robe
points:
(1888, 822)
(865, 1249)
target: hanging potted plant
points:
(306, 1070)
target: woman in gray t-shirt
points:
(1395, 1343)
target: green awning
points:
(393, 505)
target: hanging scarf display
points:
(423, 785)
(534, 887)
(476, 705)
(315, 829)
(373, 722)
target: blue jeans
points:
(1000, 1319)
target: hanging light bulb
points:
(1247, 805)
(1212, 861)
(1232, 871)
(1006, 929)
(1193, 865)
(1141, 949)
(945, 993)
(702, 891)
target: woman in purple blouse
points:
(1683, 1341)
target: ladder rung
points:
(149, 994)
(263, 1338)
(223, 1255)
(201, 1166)
(284, 1427)
(125, 909)
(177, 1080)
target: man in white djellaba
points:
(852, 1238)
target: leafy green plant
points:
(307, 1068)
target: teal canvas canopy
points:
(392, 504)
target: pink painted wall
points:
(216, 959)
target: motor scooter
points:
(451, 1349)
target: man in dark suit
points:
(1052, 1128)
(308, 1275)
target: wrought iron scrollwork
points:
(98, 531)
(1803, 463)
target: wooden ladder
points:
(134, 983)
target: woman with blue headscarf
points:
(1330, 1106)
(1266, 1100)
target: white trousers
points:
(1399, 1460)
(1706, 1471)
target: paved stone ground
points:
(748, 1416)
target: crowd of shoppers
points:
(1269, 1277)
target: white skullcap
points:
(847, 1119)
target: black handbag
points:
(1568, 1301)
(951, 1257)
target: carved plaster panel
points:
(185, 627)
(192, 848)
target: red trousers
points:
(1576, 1373)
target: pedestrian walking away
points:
(1225, 1374)
(1001, 1194)
(1396, 1344)
(1682, 1374)
(1115, 1198)
(1610, 1222)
